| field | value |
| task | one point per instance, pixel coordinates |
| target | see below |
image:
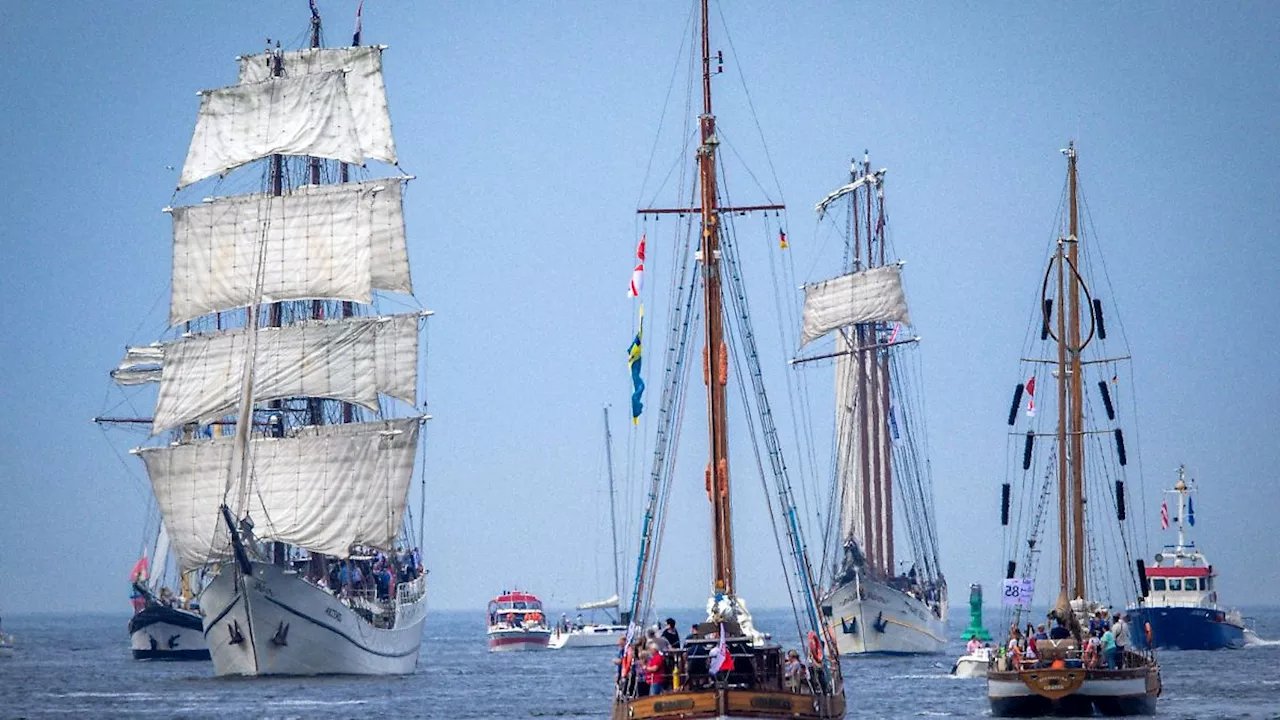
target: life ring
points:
(815, 648)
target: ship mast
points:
(1071, 547)
(715, 353)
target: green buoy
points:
(975, 629)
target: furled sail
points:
(366, 92)
(863, 472)
(323, 489)
(873, 295)
(305, 115)
(141, 365)
(336, 242)
(352, 359)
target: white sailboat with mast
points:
(592, 633)
(300, 516)
(872, 604)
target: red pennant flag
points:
(637, 275)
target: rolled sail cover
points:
(306, 115)
(353, 359)
(323, 489)
(330, 242)
(873, 295)
(366, 91)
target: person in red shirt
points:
(655, 670)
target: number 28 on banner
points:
(1018, 591)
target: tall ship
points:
(1181, 604)
(880, 599)
(287, 420)
(726, 667)
(1072, 470)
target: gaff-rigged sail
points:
(351, 359)
(324, 488)
(337, 242)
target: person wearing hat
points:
(1120, 629)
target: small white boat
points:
(590, 634)
(6, 645)
(973, 665)
(516, 622)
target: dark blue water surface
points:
(80, 667)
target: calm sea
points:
(81, 667)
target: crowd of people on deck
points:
(660, 661)
(1102, 644)
(368, 573)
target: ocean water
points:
(80, 667)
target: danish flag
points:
(1031, 396)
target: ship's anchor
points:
(281, 638)
(849, 626)
(173, 641)
(237, 637)
(154, 645)
(881, 623)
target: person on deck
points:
(793, 672)
(1120, 629)
(671, 635)
(655, 670)
(1109, 648)
(1059, 631)
(974, 645)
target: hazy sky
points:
(530, 126)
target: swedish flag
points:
(634, 362)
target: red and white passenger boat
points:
(517, 622)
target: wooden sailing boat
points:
(1068, 674)
(165, 625)
(297, 513)
(726, 668)
(881, 456)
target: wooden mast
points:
(715, 351)
(1075, 382)
(1064, 529)
(861, 404)
(886, 491)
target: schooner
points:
(287, 413)
(882, 478)
(727, 668)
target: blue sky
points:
(530, 126)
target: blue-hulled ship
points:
(1181, 602)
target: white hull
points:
(588, 636)
(506, 639)
(276, 623)
(884, 620)
(162, 641)
(973, 665)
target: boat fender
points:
(1017, 401)
(281, 638)
(1106, 399)
(1026, 450)
(1097, 317)
(1124, 458)
(1004, 504)
(881, 624)
(1142, 577)
(1120, 500)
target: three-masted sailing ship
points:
(881, 463)
(287, 412)
(1064, 668)
(726, 668)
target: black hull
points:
(153, 614)
(1073, 706)
(175, 655)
